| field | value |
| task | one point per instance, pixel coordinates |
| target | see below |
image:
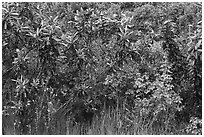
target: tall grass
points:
(112, 121)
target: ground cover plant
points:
(111, 68)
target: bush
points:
(69, 64)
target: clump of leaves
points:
(160, 100)
(195, 126)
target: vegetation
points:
(102, 68)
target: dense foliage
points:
(65, 64)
